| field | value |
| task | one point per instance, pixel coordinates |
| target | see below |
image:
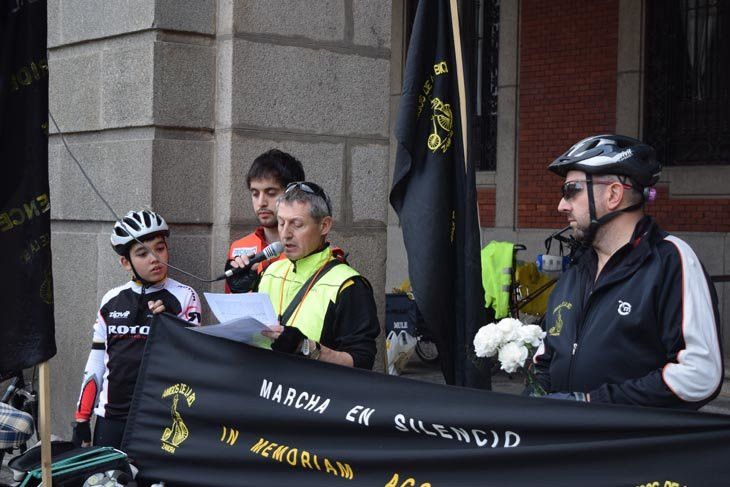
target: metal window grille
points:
(480, 24)
(687, 110)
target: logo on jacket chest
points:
(558, 315)
(126, 331)
(239, 251)
(119, 314)
(624, 308)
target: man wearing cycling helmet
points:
(635, 319)
(123, 323)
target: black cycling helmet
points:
(611, 154)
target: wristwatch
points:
(311, 349)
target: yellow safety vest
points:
(283, 279)
(497, 276)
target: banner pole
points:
(44, 419)
(462, 90)
(459, 74)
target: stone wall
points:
(166, 103)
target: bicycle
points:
(425, 346)
(21, 393)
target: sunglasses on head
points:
(310, 188)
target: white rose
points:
(510, 329)
(512, 356)
(531, 335)
(488, 340)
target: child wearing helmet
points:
(123, 324)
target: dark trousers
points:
(109, 432)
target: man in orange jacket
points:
(267, 178)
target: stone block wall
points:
(167, 102)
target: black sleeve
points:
(688, 321)
(541, 365)
(351, 324)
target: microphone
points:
(269, 252)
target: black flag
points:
(434, 194)
(212, 412)
(26, 288)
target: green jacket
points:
(338, 311)
(497, 260)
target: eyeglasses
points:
(310, 188)
(570, 189)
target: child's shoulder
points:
(177, 287)
(114, 292)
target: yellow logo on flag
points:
(177, 433)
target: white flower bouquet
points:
(512, 342)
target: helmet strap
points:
(596, 223)
(145, 284)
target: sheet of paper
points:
(245, 330)
(227, 307)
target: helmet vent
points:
(132, 222)
(592, 145)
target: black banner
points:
(26, 288)
(434, 194)
(208, 411)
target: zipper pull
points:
(575, 345)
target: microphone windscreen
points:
(274, 249)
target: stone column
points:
(132, 86)
(630, 68)
(167, 102)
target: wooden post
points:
(44, 418)
(462, 89)
(459, 74)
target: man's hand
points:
(242, 261)
(287, 339)
(81, 434)
(156, 307)
(570, 396)
(245, 281)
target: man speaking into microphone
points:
(325, 307)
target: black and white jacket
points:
(120, 334)
(645, 333)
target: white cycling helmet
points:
(143, 224)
